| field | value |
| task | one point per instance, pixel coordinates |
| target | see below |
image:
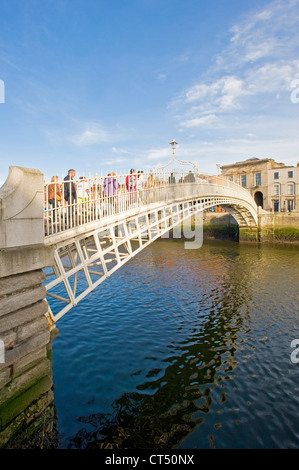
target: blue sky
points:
(100, 85)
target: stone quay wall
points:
(27, 410)
(273, 227)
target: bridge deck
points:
(96, 234)
(99, 198)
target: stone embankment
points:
(272, 228)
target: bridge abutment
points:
(27, 411)
(248, 234)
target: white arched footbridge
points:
(95, 234)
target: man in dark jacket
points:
(70, 188)
(70, 195)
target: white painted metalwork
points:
(96, 236)
(174, 159)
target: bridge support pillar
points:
(248, 234)
(27, 411)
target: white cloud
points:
(118, 150)
(210, 100)
(161, 77)
(272, 77)
(226, 93)
(258, 51)
(114, 161)
(210, 119)
(197, 92)
(157, 154)
(260, 60)
(207, 153)
(90, 135)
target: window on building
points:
(290, 174)
(258, 179)
(243, 180)
(290, 189)
(276, 175)
(276, 190)
(276, 206)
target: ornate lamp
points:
(173, 144)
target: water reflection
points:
(179, 394)
(200, 354)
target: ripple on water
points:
(190, 346)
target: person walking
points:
(83, 196)
(70, 196)
(54, 196)
(110, 188)
(131, 184)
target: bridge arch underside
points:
(90, 254)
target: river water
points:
(185, 349)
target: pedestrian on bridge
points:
(110, 188)
(54, 196)
(131, 184)
(83, 195)
(70, 196)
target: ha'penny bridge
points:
(110, 220)
(55, 250)
(100, 232)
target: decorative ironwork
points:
(94, 238)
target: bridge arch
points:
(88, 253)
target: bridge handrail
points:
(101, 196)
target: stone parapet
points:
(21, 208)
(24, 259)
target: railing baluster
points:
(64, 215)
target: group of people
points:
(71, 192)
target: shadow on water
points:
(204, 364)
(173, 402)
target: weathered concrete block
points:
(19, 282)
(21, 201)
(15, 302)
(21, 350)
(9, 339)
(248, 234)
(30, 360)
(25, 381)
(35, 427)
(5, 377)
(32, 328)
(28, 228)
(22, 316)
(24, 259)
(23, 400)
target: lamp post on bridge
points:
(173, 144)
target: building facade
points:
(284, 186)
(259, 176)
